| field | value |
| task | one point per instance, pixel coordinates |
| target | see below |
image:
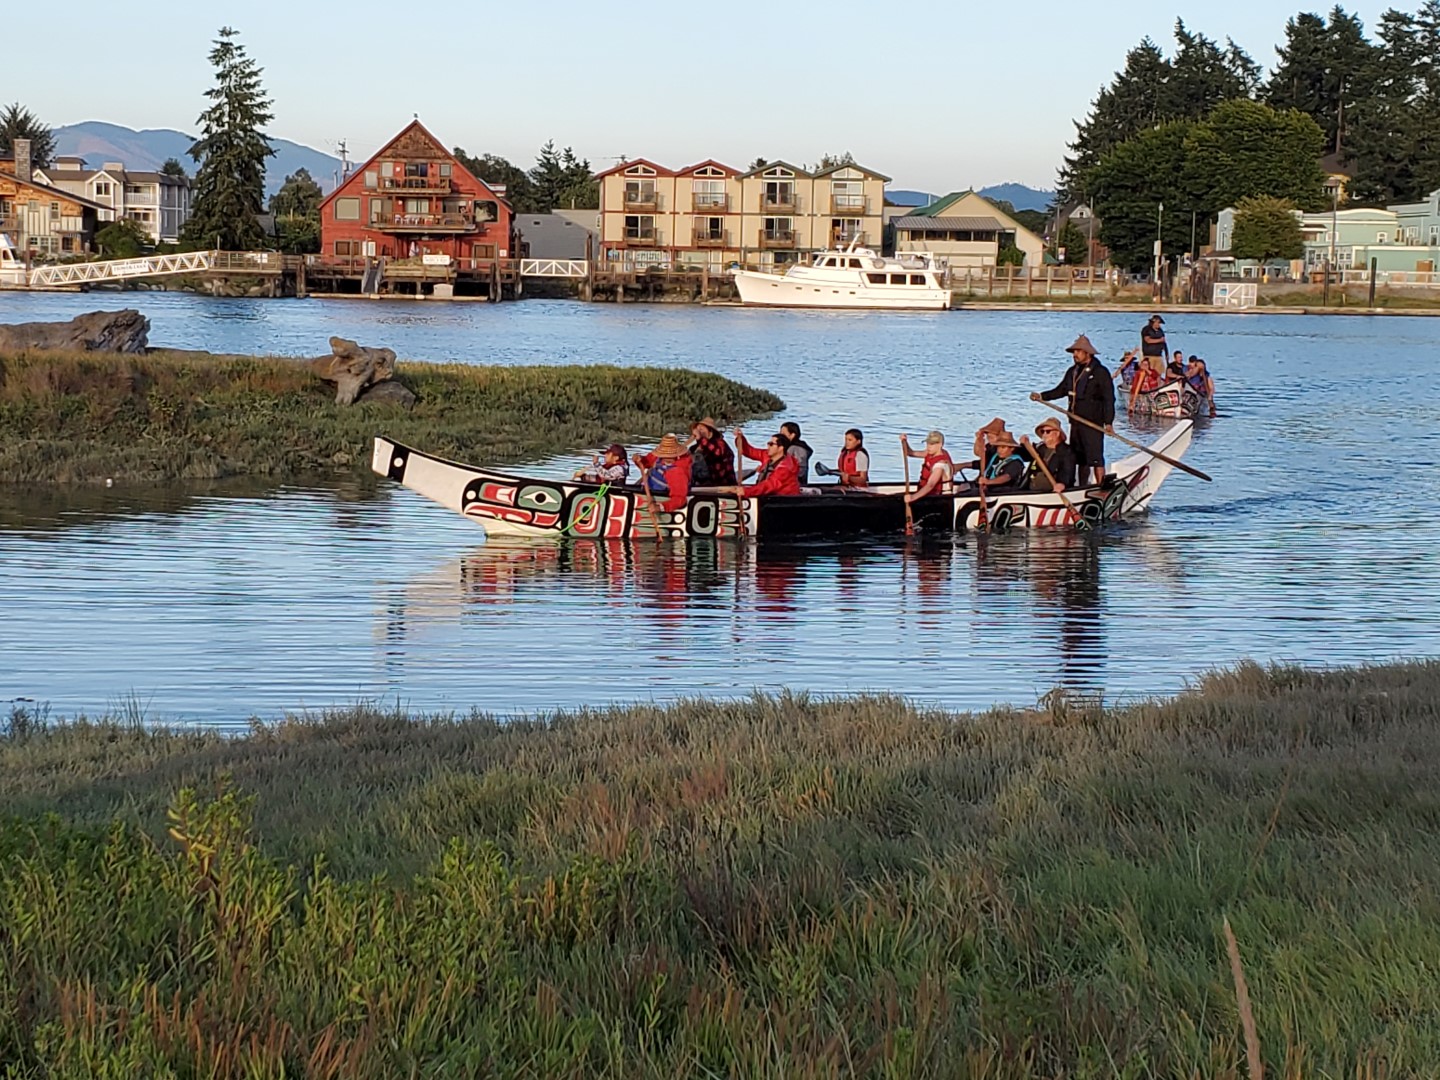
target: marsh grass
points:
(88, 417)
(783, 886)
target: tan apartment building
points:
(710, 214)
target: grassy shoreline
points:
(779, 887)
(91, 417)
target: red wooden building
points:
(413, 199)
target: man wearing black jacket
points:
(1092, 396)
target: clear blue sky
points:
(921, 97)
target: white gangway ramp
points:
(187, 262)
(559, 268)
(1234, 294)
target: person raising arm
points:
(936, 470)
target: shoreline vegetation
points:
(782, 886)
(172, 415)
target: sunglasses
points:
(772, 442)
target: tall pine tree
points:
(1326, 69)
(1133, 102)
(229, 188)
(1395, 137)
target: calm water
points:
(1317, 543)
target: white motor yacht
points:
(12, 269)
(855, 277)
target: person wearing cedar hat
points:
(668, 475)
(1091, 391)
(1055, 453)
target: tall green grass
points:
(780, 887)
(88, 417)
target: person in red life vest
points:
(936, 469)
(714, 461)
(853, 464)
(779, 475)
(668, 475)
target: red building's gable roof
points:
(415, 142)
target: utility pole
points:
(1330, 262)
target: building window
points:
(778, 193)
(779, 229)
(387, 168)
(445, 168)
(486, 210)
(417, 206)
(67, 243)
(640, 193)
(347, 209)
(372, 178)
(345, 247)
(639, 228)
(848, 194)
(1380, 238)
(482, 251)
(710, 228)
(102, 189)
(1434, 234)
(54, 211)
(709, 194)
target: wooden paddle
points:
(1080, 522)
(1128, 442)
(648, 498)
(909, 513)
(979, 476)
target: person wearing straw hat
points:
(713, 460)
(667, 474)
(1091, 391)
(1003, 469)
(1054, 452)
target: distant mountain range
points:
(1020, 196)
(1017, 195)
(98, 142)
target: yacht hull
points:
(774, 290)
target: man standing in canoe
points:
(1092, 397)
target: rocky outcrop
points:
(97, 331)
(387, 393)
(353, 368)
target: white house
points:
(157, 202)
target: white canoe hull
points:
(776, 290)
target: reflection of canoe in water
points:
(510, 505)
(1178, 400)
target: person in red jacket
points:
(667, 474)
(780, 473)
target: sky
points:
(943, 97)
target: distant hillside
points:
(903, 197)
(1020, 196)
(98, 142)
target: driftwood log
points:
(97, 331)
(353, 368)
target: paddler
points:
(1092, 397)
(853, 464)
(667, 474)
(937, 470)
(779, 475)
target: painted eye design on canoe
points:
(538, 497)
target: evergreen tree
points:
(1075, 245)
(123, 239)
(296, 207)
(1134, 101)
(231, 153)
(1203, 75)
(1266, 228)
(1393, 140)
(1326, 69)
(172, 167)
(18, 122)
(493, 169)
(560, 179)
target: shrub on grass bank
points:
(774, 887)
(87, 417)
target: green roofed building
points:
(968, 229)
